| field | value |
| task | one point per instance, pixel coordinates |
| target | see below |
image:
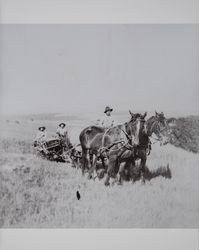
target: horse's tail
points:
(84, 141)
(84, 138)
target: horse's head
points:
(161, 118)
(135, 116)
(159, 126)
(136, 126)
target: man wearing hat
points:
(40, 137)
(62, 133)
(107, 120)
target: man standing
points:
(107, 120)
(63, 135)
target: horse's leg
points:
(105, 163)
(121, 172)
(109, 173)
(93, 167)
(89, 159)
(77, 161)
(112, 169)
(86, 160)
(133, 171)
(129, 167)
(143, 165)
(83, 160)
(108, 176)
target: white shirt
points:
(106, 121)
(61, 131)
(41, 136)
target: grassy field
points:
(38, 193)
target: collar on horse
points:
(126, 145)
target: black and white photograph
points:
(99, 126)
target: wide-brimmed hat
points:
(108, 109)
(62, 123)
(42, 128)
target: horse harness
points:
(104, 152)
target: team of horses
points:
(119, 147)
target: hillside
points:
(186, 133)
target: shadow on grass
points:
(160, 171)
(137, 175)
(148, 175)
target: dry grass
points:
(38, 193)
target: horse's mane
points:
(150, 123)
(151, 118)
(99, 129)
(96, 128)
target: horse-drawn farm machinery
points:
(54, 150)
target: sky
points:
(69, 68)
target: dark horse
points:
(122, 156)
(123, 159)
(95, 141)
(156, 125)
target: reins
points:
(126, 145)
(72, 148)
(157, 122)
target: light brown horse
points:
(95, 141)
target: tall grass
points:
(35, 192)
(13, 145)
